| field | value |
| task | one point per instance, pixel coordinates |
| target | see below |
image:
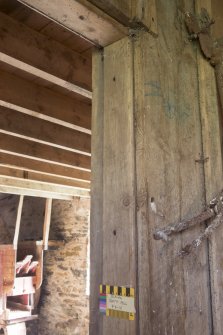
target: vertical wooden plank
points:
(119, 233)
(18, 221)
(213, 172)
(96, 227)
(131, 13)
(217, 14)
(46, 226)
(144, 13)
(120, 10)
(173, 292)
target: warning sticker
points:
(117, 301)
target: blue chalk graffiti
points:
(172, 110)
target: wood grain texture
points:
(32, 128)
(18, 222)
(217, 14)
(213, 169)
(12, 185)
(119, 231)
(29, 98)
(81, 17)
(120, 10)
(46, 225)
(49, 169)
(41, 177)
(30, 149)
(96, 237)
(24, 44)
(173, 293)
(131, 13)
(144, 14)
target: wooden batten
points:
(18, 222)
(32, 52)
(41, 177)
(38, 151)
(41, 131)
(46, 168)
(81, 17)
(32, 188)
(28, 98)
(46, 226)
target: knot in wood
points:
(126, 201)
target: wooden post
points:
(18, 221)
(96, 237)
(211, 134)
(46, 227)
(159, 120)
(119, 226)
(113, 232)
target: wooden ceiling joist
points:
(32, 128)
(81, 17)
(39, 189)
(45, 58)
(50, 169)
(38, 151)
(29, 98)
(35, 176)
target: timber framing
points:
(83, 18)
(45, 113)
(32, 99)
(55, 63)
(39, 189)
(42, 152)
(28, 127)
(32, 165)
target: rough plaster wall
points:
(63, 306)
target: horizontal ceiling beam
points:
(81, 17)
(39, 189)
(138, 14)
(45, 58)
(32, 99)
(38, 151)
(29, 127)
(35, 176)
(48, 168)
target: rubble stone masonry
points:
(64, 304)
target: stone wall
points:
(63, 307)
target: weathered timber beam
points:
(33, 52)
(35, 176)
(131, 13)
(32, 128)
(48, 168)
(81, 17)
(29, 149)
(29, 98)
(39, 189)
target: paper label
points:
(119, 303)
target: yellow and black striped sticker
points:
(117, 302)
